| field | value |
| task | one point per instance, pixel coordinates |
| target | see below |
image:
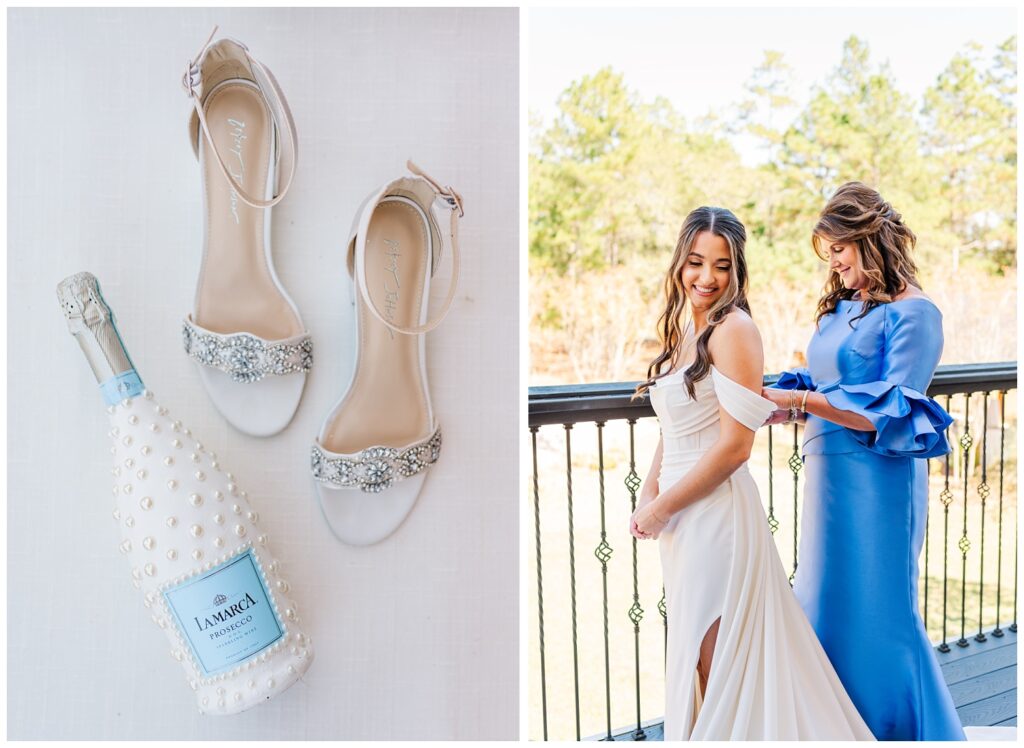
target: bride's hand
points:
(782, 400)
(777, 417)
(645, 524)
(641, 502)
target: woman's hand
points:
(783, 399)
(642, 500)
(645, 523)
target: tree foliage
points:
(970, 120)
(613, 176)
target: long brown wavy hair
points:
(857, 214)
(723, 223)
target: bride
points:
(743, 662)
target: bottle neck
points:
(92, 323)
(123, 386)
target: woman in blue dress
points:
(869, 429)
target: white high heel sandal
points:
(370, 458)
(245, 334)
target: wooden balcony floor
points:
(982, 677)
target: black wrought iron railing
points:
(594, 663)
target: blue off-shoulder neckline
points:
(893, 303)
(890, 303)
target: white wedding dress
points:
(770, 679)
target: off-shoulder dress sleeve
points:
(747, 407)
(907, 422)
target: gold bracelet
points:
(803, 402)
(655, 515)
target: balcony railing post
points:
(1013, 626)
(540, 583)
(999, 527)
(572, 574)
(983, 491)
(795, 464)
(773, 524)
(636, 613)
(603, 552)
(965, 444)
(946, 497)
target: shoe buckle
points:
(191, 79)
(454, 199)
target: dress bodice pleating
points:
(681, 415)
(689, 426)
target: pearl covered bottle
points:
(190, 534)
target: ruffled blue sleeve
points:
(907, 422)
(795, 379)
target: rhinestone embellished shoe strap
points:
(375, 468)
(444, 196)
(274, 98)
(246, 357)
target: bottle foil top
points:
(92, 323)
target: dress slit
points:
(700, 653)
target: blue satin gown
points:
(865, 502)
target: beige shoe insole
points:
(236, 290)
(386, 404)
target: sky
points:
(700, 58)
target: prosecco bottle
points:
(190, 534)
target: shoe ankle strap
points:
(284, 125)
(453, 198)
(448, 199)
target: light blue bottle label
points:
(225, 614)
(125, 385)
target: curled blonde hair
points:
(671, 324)
(858, 215)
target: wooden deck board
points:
(990, 711)
(985, 686)
(976, 666)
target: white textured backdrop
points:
(416, 637)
